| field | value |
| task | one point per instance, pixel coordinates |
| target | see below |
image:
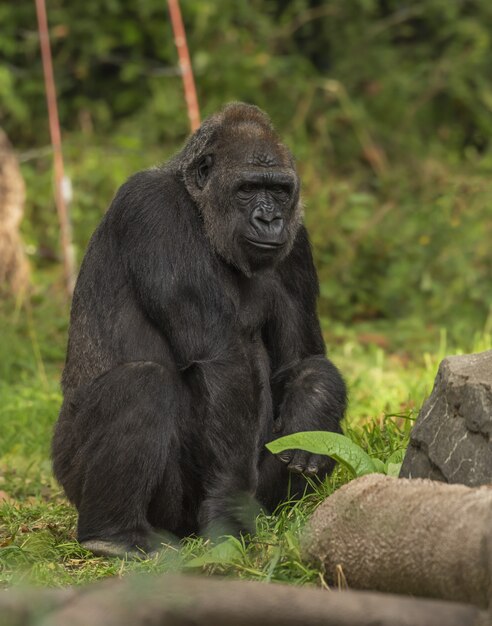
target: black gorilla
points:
(194, 340)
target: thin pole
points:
(60, 181)
(185, 64)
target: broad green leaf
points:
(393, 469)
(226, 552)
(379, 465)
(339, 447)
(397, 456)
(394, 463)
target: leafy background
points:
(386, 104)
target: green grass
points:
(388, 380)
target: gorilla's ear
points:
(203, 170)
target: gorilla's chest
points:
(252, 301)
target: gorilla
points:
(193, 341)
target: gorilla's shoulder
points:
(150, 195)
(150, 185)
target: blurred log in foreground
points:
(172, 600)
(14, 273)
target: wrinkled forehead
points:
(249, 144)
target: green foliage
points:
(387, 106)
(338, 447)
(413, 66)
(226, 552)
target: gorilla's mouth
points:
(265, 245)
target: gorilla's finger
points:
(286, 456)
(299, 461)
(317, 463)
(312, 465)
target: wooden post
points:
(61, 182)
(184, 64)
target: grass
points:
(388, 380)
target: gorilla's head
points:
(244, 182)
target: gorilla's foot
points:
(229, 515)
(114, 548)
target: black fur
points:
(194, 340)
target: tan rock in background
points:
(14, 272)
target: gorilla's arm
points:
(309, 392)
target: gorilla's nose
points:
(265, 210)
(266, 217)
(267, 223)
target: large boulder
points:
(451, 440)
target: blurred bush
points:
(387, 105)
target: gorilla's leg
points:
(229, 439)
(127, 442)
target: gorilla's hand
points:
(300, 461)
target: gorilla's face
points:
(249, 198)
(265, 201)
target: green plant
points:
(339, 447)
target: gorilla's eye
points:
(247, 188)
(281, 192)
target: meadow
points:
(388, 379)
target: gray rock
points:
(451, 440)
